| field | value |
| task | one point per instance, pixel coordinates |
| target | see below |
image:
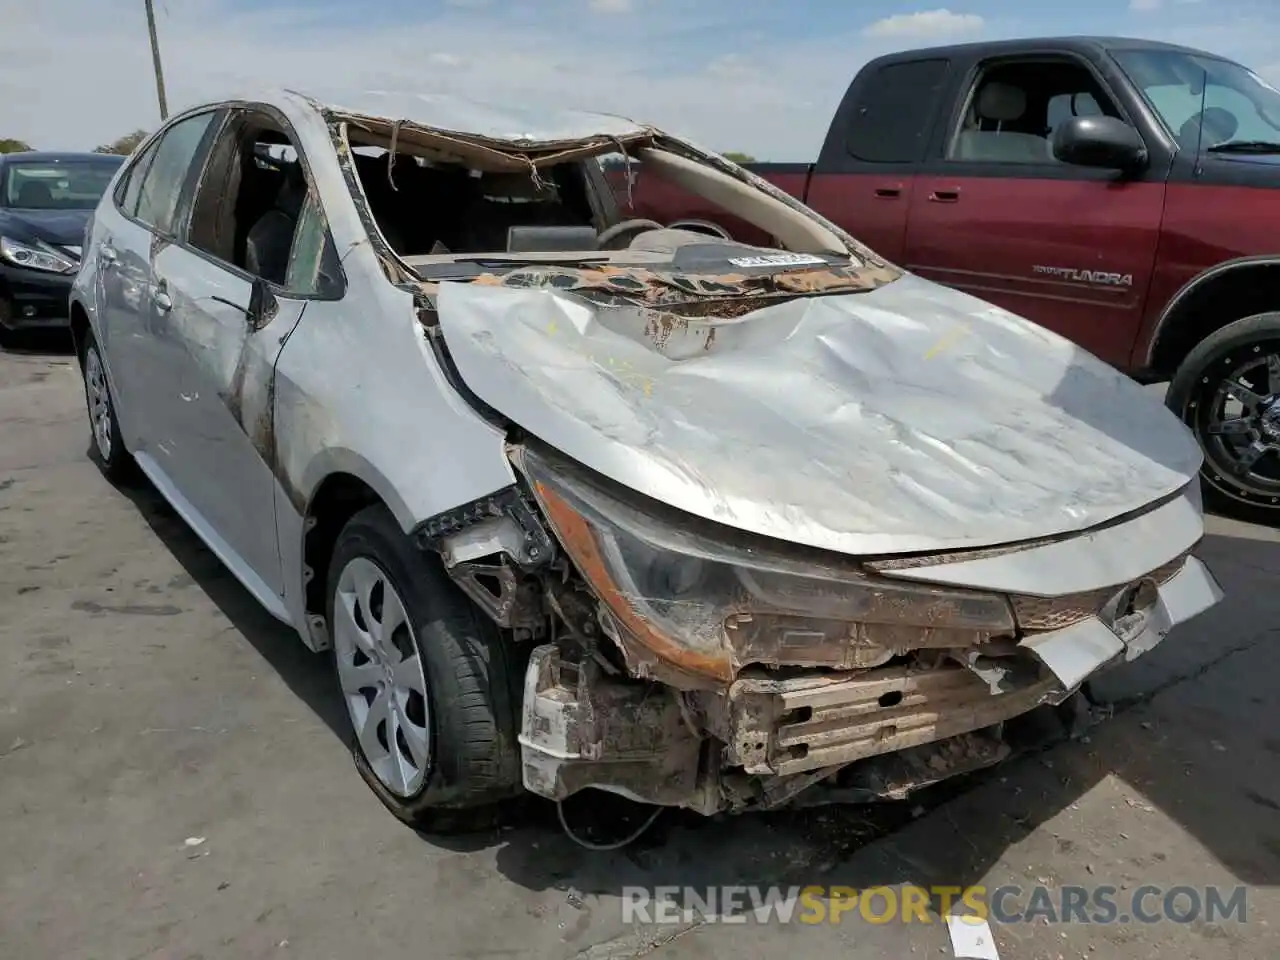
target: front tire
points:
(106, 444)
(426, 679)
(1228, 392)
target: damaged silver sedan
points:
(721, 519)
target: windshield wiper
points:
(1245, 146)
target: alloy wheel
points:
(99, 400)
(382, 678)
(1235, 411)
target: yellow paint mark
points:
(947, 340)
(552, 329)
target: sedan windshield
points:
(56, 185)
(1232, 103)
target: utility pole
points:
(155, 59)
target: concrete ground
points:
(175, 780)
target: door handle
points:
(160, 297)
(107, 253)
(889, 193)
(945, 196)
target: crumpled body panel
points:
(907, 418)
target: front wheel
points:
(427, 680)
(1228, 392)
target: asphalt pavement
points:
(175, 780)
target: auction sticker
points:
(778, 260)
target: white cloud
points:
(611, 6)
(76, 73)
(1144, 6)
(212, 49)
(926, 24)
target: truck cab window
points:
(1014, 108)
(892, 111)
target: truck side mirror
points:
(1099, 142)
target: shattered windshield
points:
(525, 222)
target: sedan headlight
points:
(708, 600)
(37, 256)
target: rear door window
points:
(895, 111)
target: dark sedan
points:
(46, 200)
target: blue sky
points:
(733, 74)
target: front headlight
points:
(707, 600)
(38, 256)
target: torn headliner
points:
(461, 130)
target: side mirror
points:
(263, 304)
(1099, 142)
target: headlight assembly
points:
(37, 256)
(708, 601)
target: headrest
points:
(1001, 102)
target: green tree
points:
(738, 156)
(10, 145)
(123, 146)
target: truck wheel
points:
(1228, 391)
(425, 677)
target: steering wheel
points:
(628, 230)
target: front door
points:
(230, 293)
(224, 415)
(998, 216)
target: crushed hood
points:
(907, 418)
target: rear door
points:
(865, 176)
(140, 354)
(996, 215)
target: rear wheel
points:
(426, 679)
(106, 444)
(1228, 391)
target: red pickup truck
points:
(1123, 193)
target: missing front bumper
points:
(770, 735)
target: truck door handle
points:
(889, 193)
(945, 196)
(107, 253)
(160, 297)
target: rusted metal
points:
(581, 728)
(778, 640)
(646, 286)
(895, 776)
(510, 600)
(786, 726)
(1039, 614)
